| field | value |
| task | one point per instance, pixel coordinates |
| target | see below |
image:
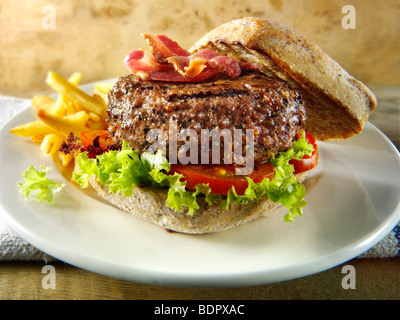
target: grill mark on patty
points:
(252, 101)
(205, 95)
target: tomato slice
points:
(88, 137)
(221, 178)
(308, 162)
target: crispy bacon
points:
(169, 62)
(141, 61)
(163, 47)
(192, 65)
(172, 75)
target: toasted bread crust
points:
(148, 203)
(337, 104)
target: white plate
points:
(353, 200)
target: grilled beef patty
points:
(251, 101)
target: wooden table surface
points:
(375, 278)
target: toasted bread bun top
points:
(337, 104)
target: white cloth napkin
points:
(14, 248)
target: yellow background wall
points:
(94, 36)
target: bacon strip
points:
(172, 75)
(163, 47)
(142, 61)
(169, 62)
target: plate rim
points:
(261, 277)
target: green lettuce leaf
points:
(123, 170)
(88, 167)
(283, 188)
(36, 181)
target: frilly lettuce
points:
(122, 170)
(36, 181)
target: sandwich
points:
(206, 139)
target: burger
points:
(206, 139)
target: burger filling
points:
(161, 123)
(252, 101)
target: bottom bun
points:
(148, 203)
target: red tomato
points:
(308, 162)
(87, 138)
(221, 178)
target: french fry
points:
(75, 78)
(38, 129)
(100, 99)
(65, 158)
(96, 125)
(103, 87)
(39, 138)
(51, 143)
(79, 118)
(69, 105)
(34, 128)
(74, 123)
(73, 111)
(43, 102)
(60, 108)
(63, 87)
(103, 115)
(97, 122)
(94, 117)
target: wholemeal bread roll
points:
(148, 203)
(337, 105)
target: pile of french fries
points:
(73, 111)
